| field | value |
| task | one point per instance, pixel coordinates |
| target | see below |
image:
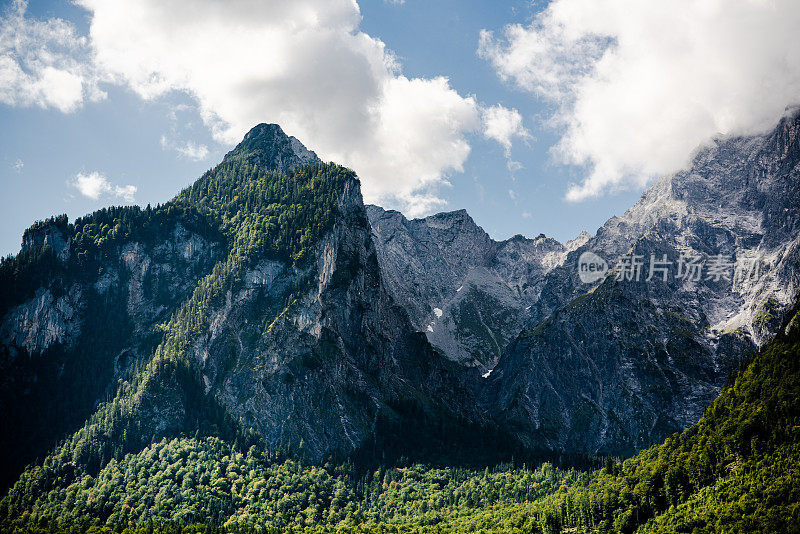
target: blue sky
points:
(158, 136)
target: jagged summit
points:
(264, 130)
(454, 214)
(269, 147)
(469, 292)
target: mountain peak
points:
(264, 129)
(457, 219)
(269, 147)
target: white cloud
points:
(503, 125)
(304, 65)
(193, 151)
(189, 149)
(125, 192)
(43, 63)
(18, 165)
(95, 185)
(640, 84)
(513, 166)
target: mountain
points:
(615, 365)
(266, 316)
(251, 304)
(611, 366)
(466, 291)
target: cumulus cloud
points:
(43, 63)
(189, 149)
(95, 185)
(638, 85)
(305, 65)
(503, 125)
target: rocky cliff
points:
(467, 292)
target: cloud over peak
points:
(503, 125)
(638, 85)
(304, 64)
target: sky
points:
(537, 117)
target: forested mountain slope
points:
(736, 470)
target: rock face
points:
(615, 365)
(41, 322)
(467, 292)
(328, 369)
(64, 348)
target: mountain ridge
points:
(739, 199)
(266, 304)
(429, 262)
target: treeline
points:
(187, 481)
